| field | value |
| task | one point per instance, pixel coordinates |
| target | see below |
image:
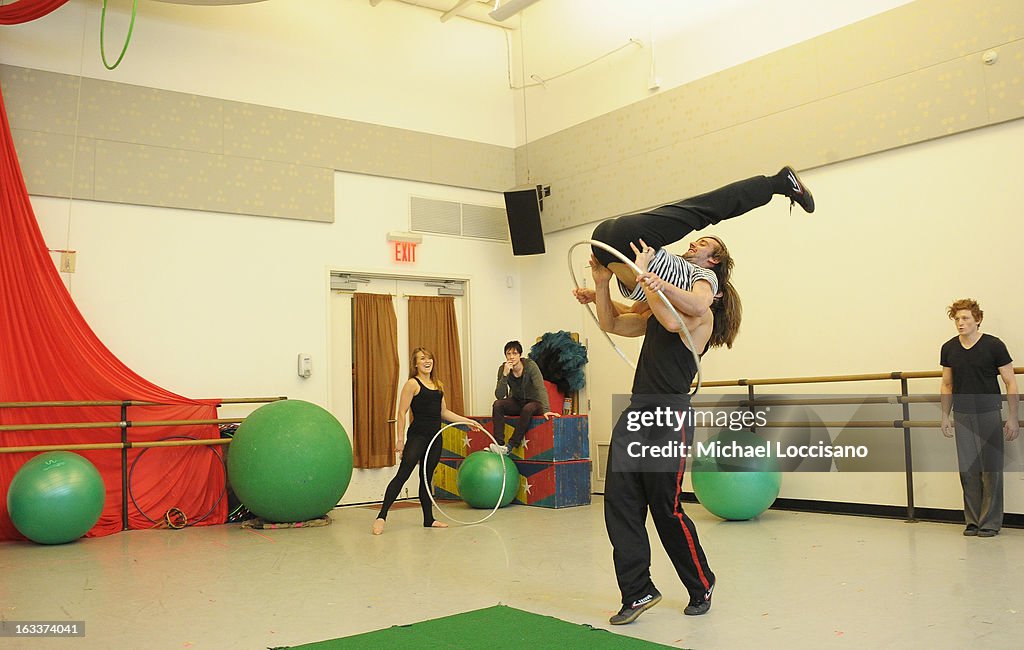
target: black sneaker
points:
(797, 191)
(700, 606)
(971, 531)
(987, 532)
(629, 613)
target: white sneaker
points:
(498, 449)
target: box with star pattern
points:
(556, 440)
(445, 475)
(554, 485)
(446, 480)
(461, 440)
(542, 484)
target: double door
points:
(368, 484)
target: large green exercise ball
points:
(290, 461)
(732, 481)
(480, 479)
(56, 497)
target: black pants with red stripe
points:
(633, 488)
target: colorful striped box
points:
(554, 485)
(446, 485)
(460, 440)
(555, 440)
(546, 485)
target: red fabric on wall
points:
(49, 353)
(25, 10)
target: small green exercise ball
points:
(56, 497)
(740, 486)
(290, 461)
(480, 476)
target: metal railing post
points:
(124, 466)
(750, 396)
(908, 456)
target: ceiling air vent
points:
(460, 219)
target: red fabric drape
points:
(25, 10)
(49, 353)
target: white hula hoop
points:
(427, 481)
(636, 269)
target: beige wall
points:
(205, 298)
(905, 76)
(860, 286)
(581, 59)
(220, 303)
(392, 65)
(147, 146)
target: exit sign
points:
(403, 251)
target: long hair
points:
(433, 369)
(728, 312)
(727, 309)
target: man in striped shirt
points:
(668, 224)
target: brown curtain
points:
(374, 379)
(432, 325)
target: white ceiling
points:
(477, 10)
(210, 2)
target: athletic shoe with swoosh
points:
(631, 612)
(797, 191)
(700, 606)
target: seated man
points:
(520, 391)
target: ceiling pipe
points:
(456, 10)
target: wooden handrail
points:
(823, 401)
(865, 424)
(897, 374)
(118, 445)
(115, 425)
(218, 400)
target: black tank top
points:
(426, 411)
(666, 365)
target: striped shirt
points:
(674, 270)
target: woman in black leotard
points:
(423, 396)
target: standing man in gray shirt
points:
(520, 391)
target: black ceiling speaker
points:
(523, 208)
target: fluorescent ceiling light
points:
(510, 8)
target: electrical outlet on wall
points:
(67, 261)
(305, 367)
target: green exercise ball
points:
(480, 476)
(56, 497)
(736, 486)
(290, 461)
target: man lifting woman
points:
(698, 286)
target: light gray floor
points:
(786, 580)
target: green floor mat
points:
(493, 627)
